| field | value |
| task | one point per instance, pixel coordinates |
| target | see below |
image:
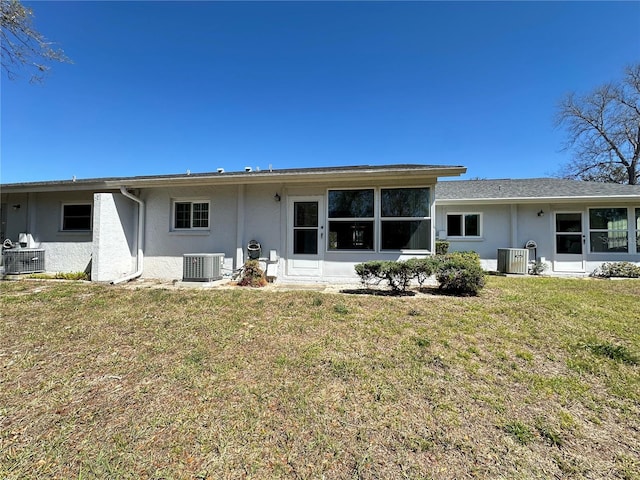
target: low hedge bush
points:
(617, 269)
(398, 275)
(458, 272)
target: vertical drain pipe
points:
(139, 239)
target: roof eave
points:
(237, 178)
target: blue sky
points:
(162, 87)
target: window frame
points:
(191, 202)
(351, 220)
(601, 230)
(377, 220)
(381, 219)
(463, 226)
(63, 206)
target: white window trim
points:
(175, 229)
(464, 236)
(72, 230)
(629, 230)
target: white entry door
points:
(569, 242)
(305, 235)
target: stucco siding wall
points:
(114, 234)
(495, 229)
(64, 251)
(164, 247)
(16, 216)
(511, 226)
(530, 226)
(262, 218)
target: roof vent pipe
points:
(139, 238)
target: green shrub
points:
(617, 269)
(457, 272)
(369, 272)
(468, 254)
(442, 247)
(461, 273)
(252, 275)
(423, 268)
(398, 275)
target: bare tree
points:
(603, 129)
(21, 45)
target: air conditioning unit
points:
(202, 267)
(513, 260)
(24, 260)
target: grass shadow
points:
(443, 293)
(378, 292)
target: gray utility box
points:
(23, 260)
(513, 260)
(202, 267)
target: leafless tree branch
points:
(603, 130)
(22, 45)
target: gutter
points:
(139, 238)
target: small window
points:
(190, 215)
(305, 228)
(76, 217)
(608, 230)
(463, 225)
(351, 219)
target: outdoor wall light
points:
(16, 206)
(276, 197)
(541, 213)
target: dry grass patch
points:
(528, 380)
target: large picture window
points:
(191, 215)
(76, 217)
(463, 225)
(608, 230)
(405, 219)
(351, 219)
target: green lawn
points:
(534, 378)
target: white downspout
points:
(139, 238)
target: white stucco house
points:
(314, 224)
(575, 226)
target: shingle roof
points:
(533, 188)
